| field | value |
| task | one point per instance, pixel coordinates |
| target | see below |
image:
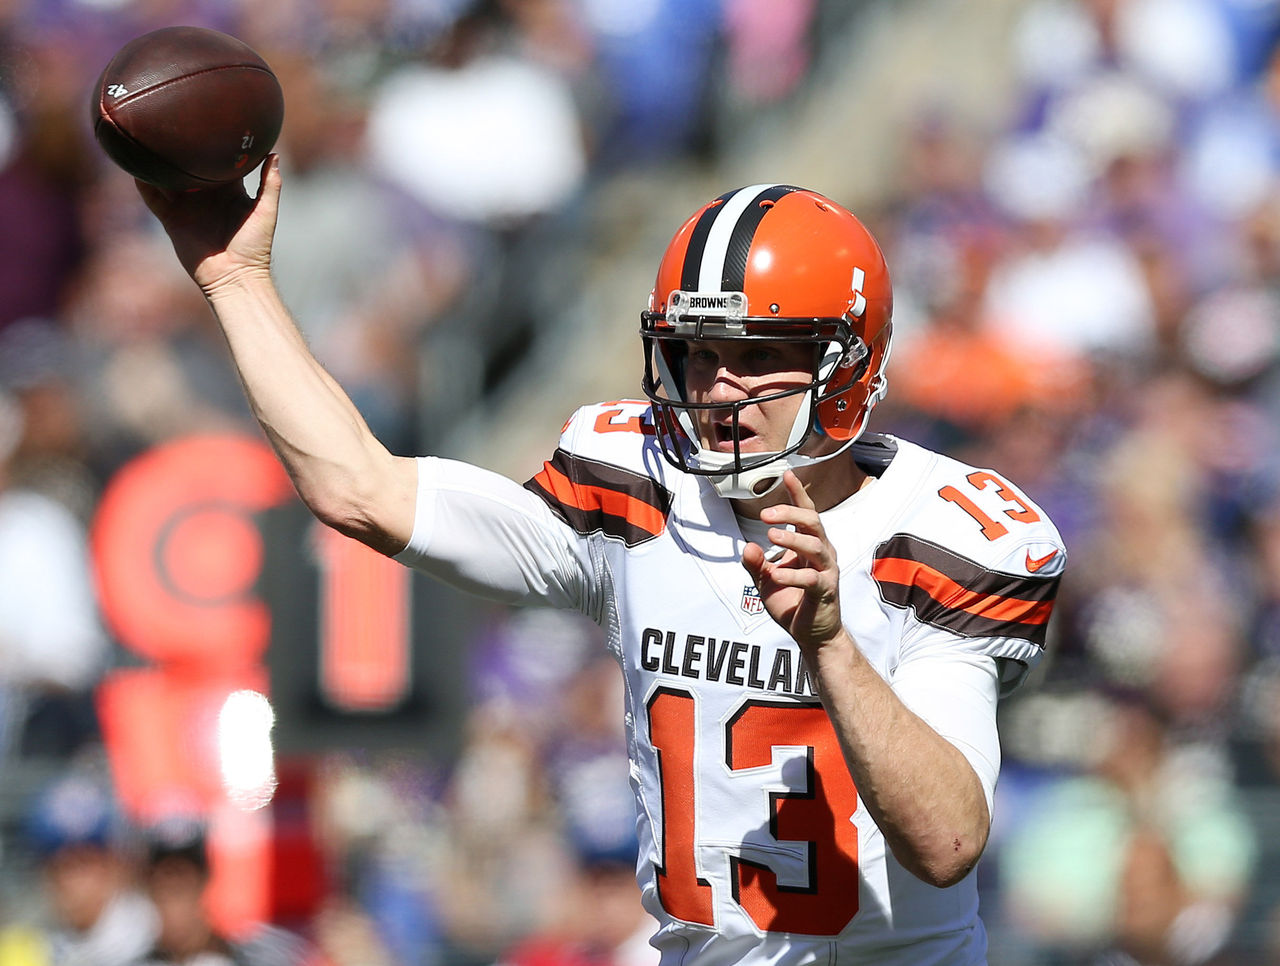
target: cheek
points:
(786, 407)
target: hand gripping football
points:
(186, 108)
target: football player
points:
(814, 623)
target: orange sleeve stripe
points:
(950, 594)
(588, 498)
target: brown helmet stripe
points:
(733, 276)
(697, 245)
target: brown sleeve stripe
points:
(591, 496)
(951, 592)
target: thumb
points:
(269, 183)
(753, 561)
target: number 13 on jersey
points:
(816, 815)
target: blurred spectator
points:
(585, 758)
(656, 60)
(1060, 292)
(155, 367)
(97, 915)
(587, 768)
(495, 105)
(39, 365)
(506, 864)
(1183, 48)
(768, 48)
(364, 265)
(387, 836)
(52, 647)
(614, 933)
(1233, 146)
(1161, 613)
(44, 167)
(1145, 851)
(176, 877)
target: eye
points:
(762, 353)
(702, 356)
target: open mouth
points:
(724, 438)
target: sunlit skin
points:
(728, 371)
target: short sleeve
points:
(486, 534)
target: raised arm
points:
(343, 473)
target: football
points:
(186, 108)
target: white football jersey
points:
(754, 847)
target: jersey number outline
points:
(606, 421)
(827, 903)
(1021, 510)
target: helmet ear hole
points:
(856, 357)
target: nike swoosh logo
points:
(1035, 563)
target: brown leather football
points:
(186, 108)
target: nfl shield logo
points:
(751, 602)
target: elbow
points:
(348, 520)
(350, 516)
(947, 862)
(337, 514)
(374, 504)
(945, 873)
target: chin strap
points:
(754, 483)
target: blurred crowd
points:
(1088, 300)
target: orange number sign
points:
(817, 814)
(991, 529)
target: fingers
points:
(799, 506)
(797, 527)
(769, 577)
(795, 489)
(800, 515)
(812, 582)
(812, 547)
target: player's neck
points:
(828, 484)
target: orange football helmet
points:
(771, 262)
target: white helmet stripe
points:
(713, 255)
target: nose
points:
(728, 387)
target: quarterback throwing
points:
(814, 622)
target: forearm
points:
(923, 794)
(342, 472)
